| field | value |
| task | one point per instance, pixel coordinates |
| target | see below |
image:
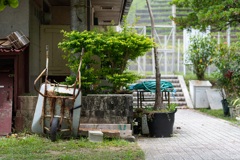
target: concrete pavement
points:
(196, 137)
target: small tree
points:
(201, 52)
(158, 99)
(113, 50)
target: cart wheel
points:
(53, 129)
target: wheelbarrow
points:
(58, 106)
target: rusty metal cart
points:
(58, 106)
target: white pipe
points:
(178, 56)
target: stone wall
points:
(107, 109)
(97, 109)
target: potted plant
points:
(154, 123)
(151, 121)
(160, 122)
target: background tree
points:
(219, 14)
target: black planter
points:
(138, 126)
(161, 124)
(225, 107)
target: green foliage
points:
(149, 110)
(216, 13)
(236, 102)
(171, 107)
(191, 76)
(201, 52)
(72, 45)
(121, 80)
(11, 3)
(227, 61)
(106, 54)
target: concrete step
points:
(172, 94)
(172, 80)
(149, 104)
(178, 97)
(182, 98)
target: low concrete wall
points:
(96, 108)
(107, 109)
(25, 112)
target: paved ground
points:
(196, 137)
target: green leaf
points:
(13, 3)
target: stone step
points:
(178, 92)
(148, 104)
(178, 97)
(182, 98)
(173, 80)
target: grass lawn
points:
(218, 113)
(28, 147)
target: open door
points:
(6, 96)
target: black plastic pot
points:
(161, 124)
(225, 107)
(138, 126)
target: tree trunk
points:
(79, 15)
(158, 97)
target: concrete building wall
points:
(34, 55)
(60, 15)
(15, 19)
